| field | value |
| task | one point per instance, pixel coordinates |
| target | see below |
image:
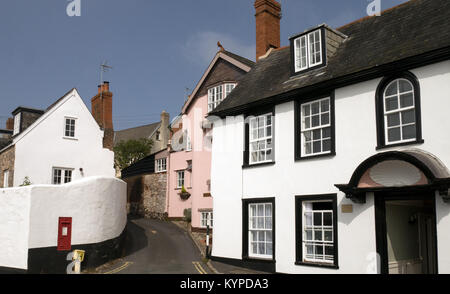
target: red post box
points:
(64, 234)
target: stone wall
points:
(147, 195)
(7, 158)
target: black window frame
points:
(245, 229)
(298, 127)
(299, 230)
(246, 160)
(379, 104)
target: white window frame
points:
(311, 129)
(180, 179)
(215, 97)
(17, 121)
(306, 52)
(206, 219)
(255, 125)
(218, 93)
(74, 119)
(400, 110)
(161, 165)
(228, 88)
(258, 230)
(188, 142)
(314, 228)
(64, 173)
(6, 178)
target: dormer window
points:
(216, 94)
(308, 50)
(17, 119)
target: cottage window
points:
(317, 230)
(261, 139)
(316, 135)
(69, 131)
(180, 179)
(17, 120)
(214, 97)
(207, 219)
(161, 165)
(260, 230)
(61, 175)
(308, 50)
(398, 110)
(399, 113)
(6, 179)
(218, 93)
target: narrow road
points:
(158, 247)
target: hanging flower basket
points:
(184, 195)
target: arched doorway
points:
(405, 186)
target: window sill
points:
(321, 265)
(70, 138)
(258, 259)
(301, 158)
(246, 166)
(421, 141)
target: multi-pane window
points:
(308, 50)
(316, 137)
(318, 232)
(188, 142)
(180, 179)
(6, 179)
(207, 219)
(70, 128)
(62, 176)
(228, 89)
(399, 112)
(217, 94)
(17, 123)
(161, 165)
(261, 139)
(260, 230)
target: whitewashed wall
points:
(42, 146)
(29, 215)
(14, 227)
(356, 140)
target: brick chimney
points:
(268, 16)
(165, 121)
(10, 124)
(102, 112)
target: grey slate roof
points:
(239, 58)
(136, 133)
(411, 29)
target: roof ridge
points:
(147, 125)
(369, 17)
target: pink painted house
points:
(189, 163)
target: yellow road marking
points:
(199, 268)
(120, 268)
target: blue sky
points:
(157, 48)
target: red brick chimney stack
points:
(268, 16)
(10, 124)
(102, 112)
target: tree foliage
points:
(129, 152)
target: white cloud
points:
(201, 47)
